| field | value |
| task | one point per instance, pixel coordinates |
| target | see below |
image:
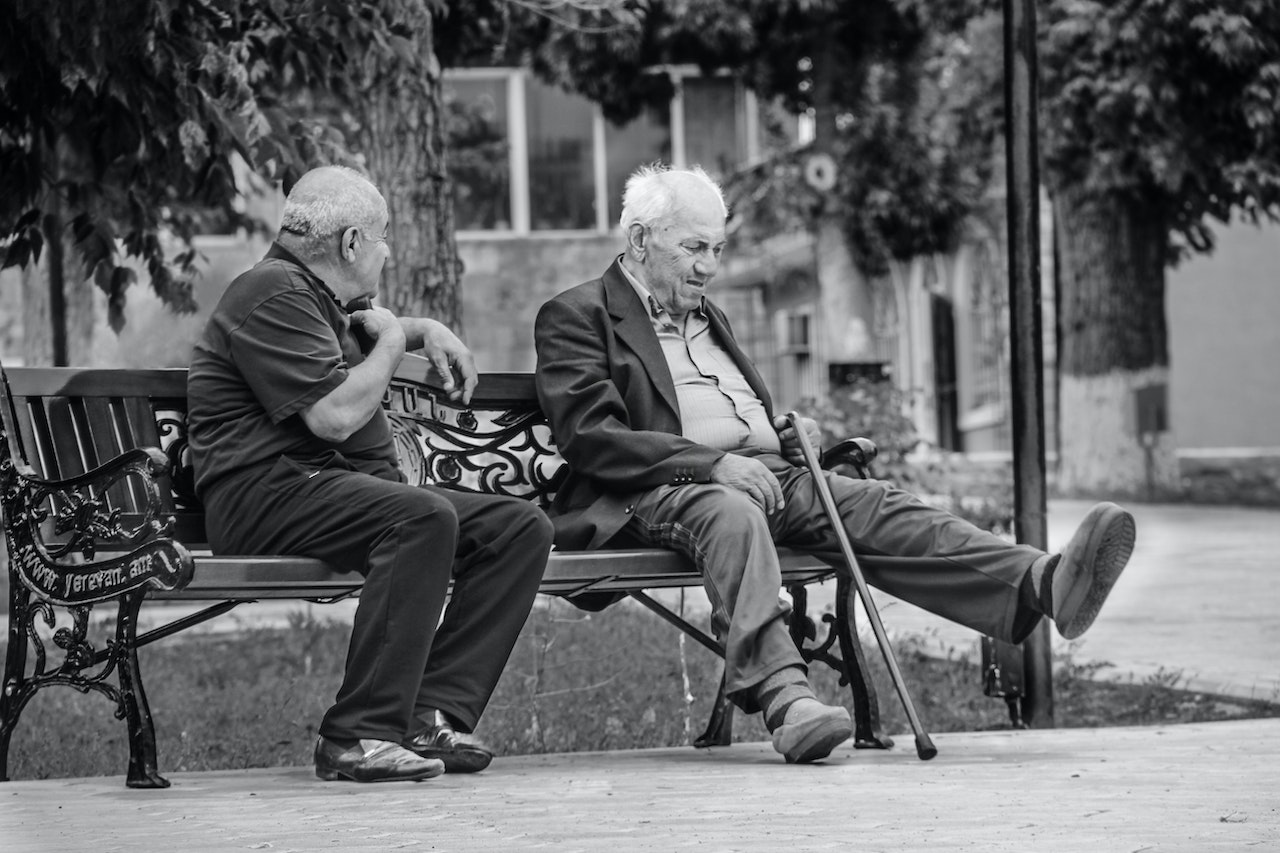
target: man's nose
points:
(707, 264)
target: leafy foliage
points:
(122, 121)
(1173, 104)
(874, 409)
(981, 493)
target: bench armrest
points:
(858, 452)
(85, 521)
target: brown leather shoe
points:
(439, 740)
(372, 761)
(1090, 565)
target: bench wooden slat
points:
(101, 442)
(293, 577)
(97, 382)
(132, 425)
(34, 423)
(65, 459)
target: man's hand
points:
(448, 355)
(381, 325)
(791, 443)
(751, 476)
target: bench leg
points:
(83, 668)
(14, 696)
(143, 761)
(866, 706)
(851, 663)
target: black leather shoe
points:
(372, 761)
(438, 739)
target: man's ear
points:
(347, 243)
(637, 239)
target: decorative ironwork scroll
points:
(171, 426)
(63, 570)
(506, 450)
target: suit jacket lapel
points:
(634, 328)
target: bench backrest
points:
(62, 422)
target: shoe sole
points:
(815, 738)
(457, 761)
(331, 775)
(1107, 551)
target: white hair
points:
(652, 192)
(327, 200)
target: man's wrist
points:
(415, 332)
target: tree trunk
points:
(1113, 352)
(37, 330)
(80, 312)
(402, 138)
(58, 313)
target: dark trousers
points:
(907, 548)
(407, 542)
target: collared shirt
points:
(275, 344)
(718, 408)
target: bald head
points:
(323, 203)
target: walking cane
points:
(924, 744)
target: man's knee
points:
(531, 523)
(515, 523)
(424, 510)
(866, 492)
(731, 511)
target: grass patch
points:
(621, 679)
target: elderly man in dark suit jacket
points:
(671, 441)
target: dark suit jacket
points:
(604, 384)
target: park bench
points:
(100, 511)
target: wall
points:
(506, 281)
(1224, 337)
(153, 335)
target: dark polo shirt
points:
(276, 343)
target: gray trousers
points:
(913, 551)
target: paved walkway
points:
(1193, 788)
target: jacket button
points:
(629, 508)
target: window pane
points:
(712, 139)
(478, 154)
(627, 147)
(561, 176)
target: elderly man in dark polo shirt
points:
(293, 455)
(671, 440)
